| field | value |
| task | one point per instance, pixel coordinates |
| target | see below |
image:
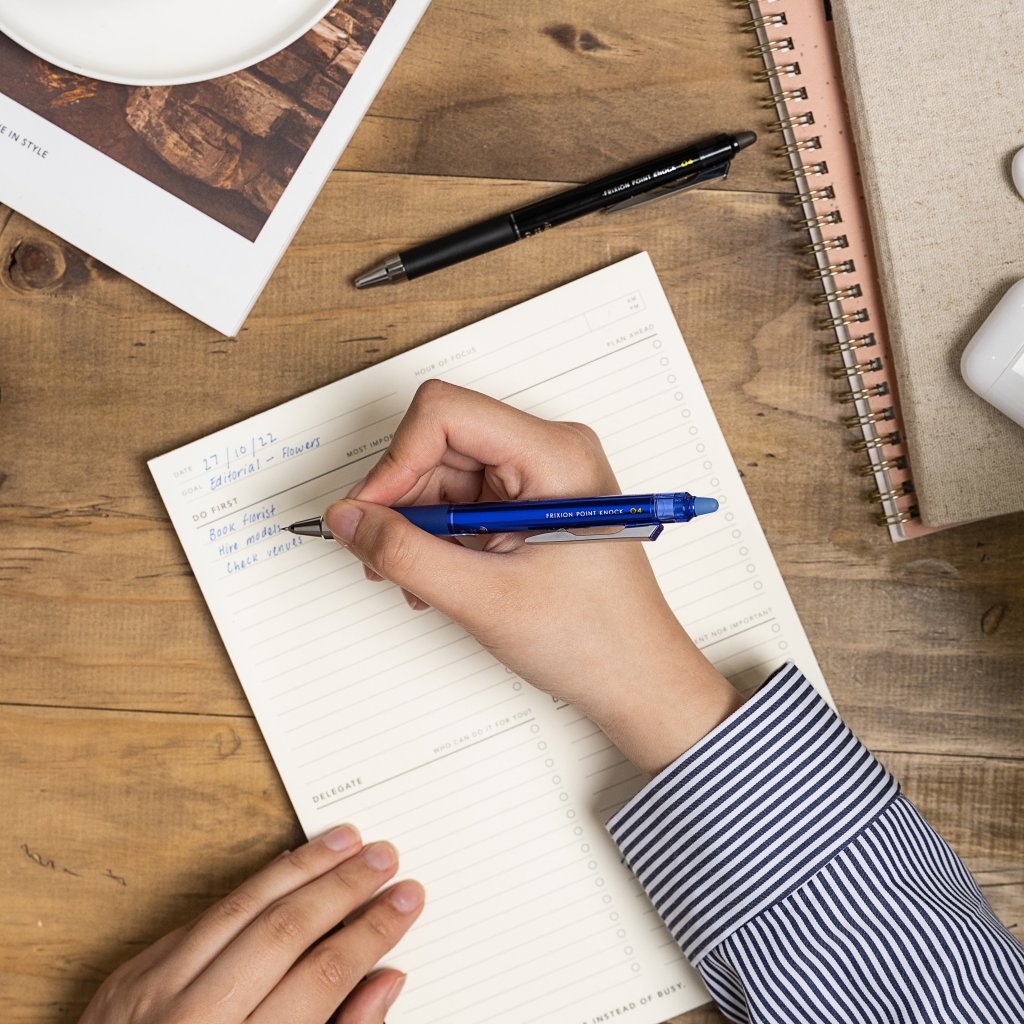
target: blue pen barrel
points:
(432, 518)
(524, 516)
(558, 514)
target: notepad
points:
(398, 721)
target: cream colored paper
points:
(936, 92)
(495, 795)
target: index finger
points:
(210, 935)
(450, 426)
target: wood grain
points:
(127, 750)
(126, 825)
(603, 86)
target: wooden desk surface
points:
(136, 788)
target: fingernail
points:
(371, 575)
(342, 520)
(414, 602)
(380, 856)
(355, 488)
(406, 896)
(394, 992)
(342, 838)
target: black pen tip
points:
(744, 139)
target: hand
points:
(267, 953)
(586, 623)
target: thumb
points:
(445, 575)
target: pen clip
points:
(626, 533)
(714, 173)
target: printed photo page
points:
(194, 191)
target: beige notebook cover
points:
(936, 98)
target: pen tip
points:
(744, 139)
(391, 270)
(379, 275)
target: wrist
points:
(673, 699)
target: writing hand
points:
(267, 953)
(586, 623)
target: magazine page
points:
(194, 191)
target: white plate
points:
(157, 42)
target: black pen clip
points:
(716, 172)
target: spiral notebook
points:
(801, 70)
(903, 232)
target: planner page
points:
(400, 723)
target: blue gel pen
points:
(634, 517)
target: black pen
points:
(674, 172)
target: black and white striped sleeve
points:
(804, 887)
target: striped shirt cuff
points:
(750, 813)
